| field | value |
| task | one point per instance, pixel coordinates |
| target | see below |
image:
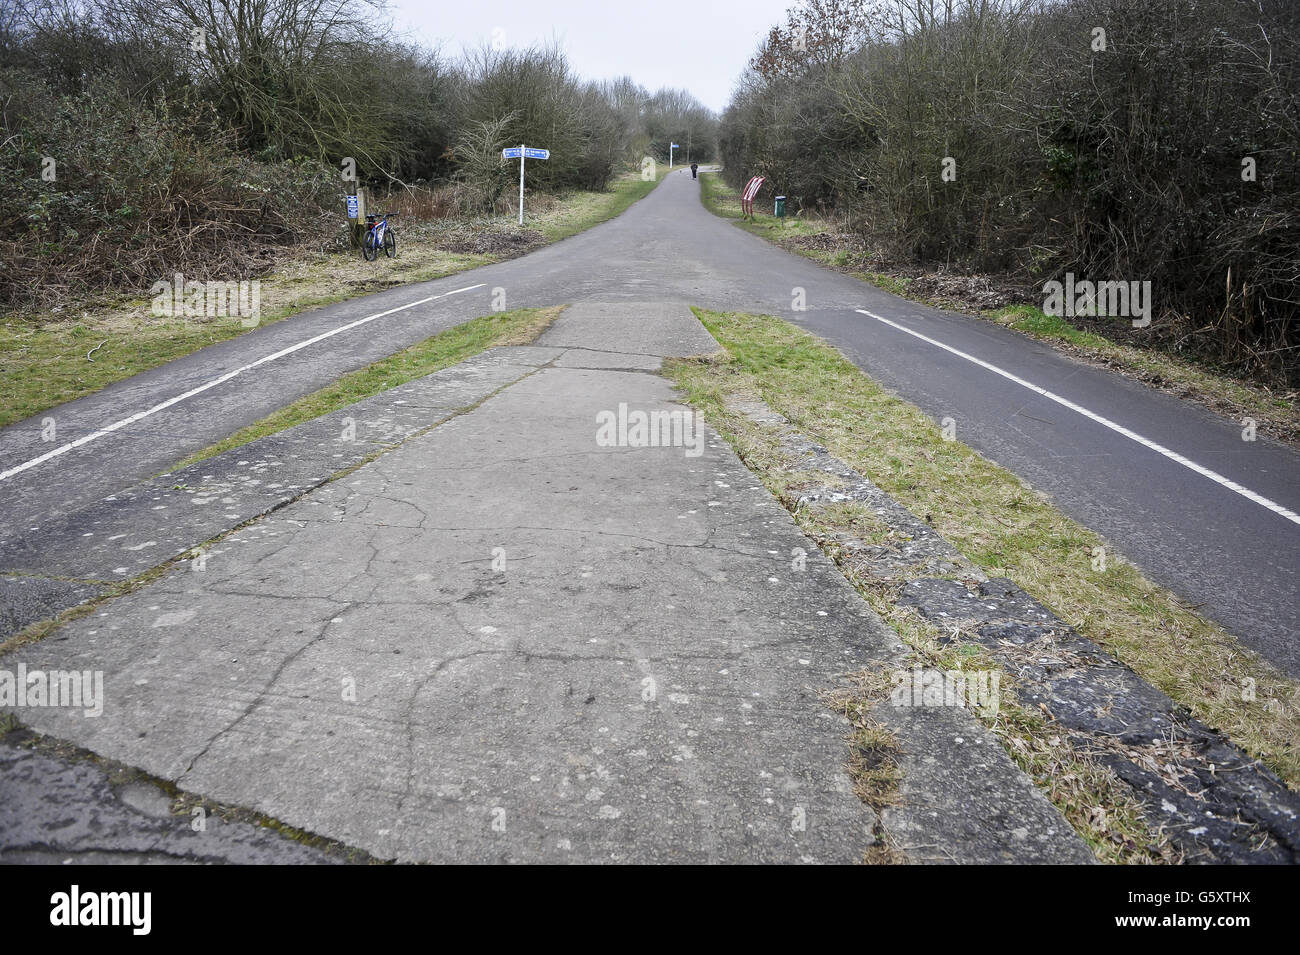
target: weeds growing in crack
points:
(873, 755)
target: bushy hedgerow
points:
(1130, 140)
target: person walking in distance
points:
(695, 167)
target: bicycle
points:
(379, 234)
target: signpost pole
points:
(522, 154)
(521, 183)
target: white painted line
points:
(1174, 456)
(265, 359)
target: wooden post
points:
(357, 225)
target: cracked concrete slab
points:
(646, 328)
(613, 361)
(503, 641)
(127, 533)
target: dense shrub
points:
(138, 191)
(203, 155)
(1121, 162)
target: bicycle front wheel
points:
(390, 245)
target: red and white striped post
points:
(749, 194)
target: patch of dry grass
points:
(874, 752)
(43, 359)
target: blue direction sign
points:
(523, 153)
(528, 152)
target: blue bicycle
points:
(379, 236)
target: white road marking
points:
(1174, 456)
(265, 359)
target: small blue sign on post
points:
(522, 152)
(352, 208)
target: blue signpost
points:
(671, 146)
(522, 152)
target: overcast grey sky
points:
(701, 47)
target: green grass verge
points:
(43, 358)
(724, 201)
(999, 522)
(516, 327)
(45, 363)
(1037, 323)
(44, 367)
(1276, 415)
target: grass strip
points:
(516, 327)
